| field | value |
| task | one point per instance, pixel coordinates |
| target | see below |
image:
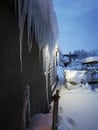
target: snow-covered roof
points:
(92, 59)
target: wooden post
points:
(55, 111)
(25, 118)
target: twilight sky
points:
(78, 24)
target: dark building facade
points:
(20, 68)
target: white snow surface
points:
(75, 75)
(90, 59)
(78, 109)
(41, 122)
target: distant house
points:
(71, 57)
(90, 60)
(28, 36)
(91, 65)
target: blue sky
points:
(78, 24)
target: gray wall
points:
(12, 80)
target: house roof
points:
(89, 60)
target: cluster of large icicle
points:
(41, 21)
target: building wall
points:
(13, 81)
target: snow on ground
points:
(76, 79)
(41, 122)
(90, 59)
(78, 109)
(75, 76)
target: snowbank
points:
(41, 122)
(75, 76)
(76, 79)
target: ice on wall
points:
(41, 21)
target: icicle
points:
(39, 28)
(34, 18)
(19, 12)
(20, 50)
(22, 17)
(29, 27)
(41, 34)
(38, 34)
(41, 20)
(40, 52)
(38, 25)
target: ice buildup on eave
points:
(41, 21)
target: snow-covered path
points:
(78, 110)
